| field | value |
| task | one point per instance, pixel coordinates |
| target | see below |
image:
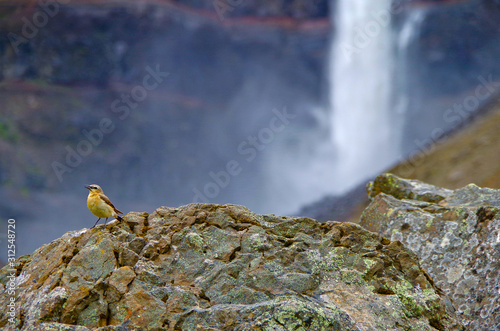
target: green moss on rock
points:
(205, 266)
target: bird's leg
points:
(105, 221)
(96, 222)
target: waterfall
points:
(358, 135)
(407, 35)
(363, 131)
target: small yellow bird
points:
(100, 205)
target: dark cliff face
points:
(146, 95)
(96, 53)
(101, 43)
(296, 9)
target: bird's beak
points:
(87, 187)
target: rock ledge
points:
(456, 235)
(214, 267)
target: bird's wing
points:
(106, 199)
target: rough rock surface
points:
(213, 267)
(455, 233)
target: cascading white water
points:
(357, 137)
(406, 37)
(362, 126)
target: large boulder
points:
(214, 267)
(456, 235)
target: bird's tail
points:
(117, 216)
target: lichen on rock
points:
(223, 267)
(456, 235)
